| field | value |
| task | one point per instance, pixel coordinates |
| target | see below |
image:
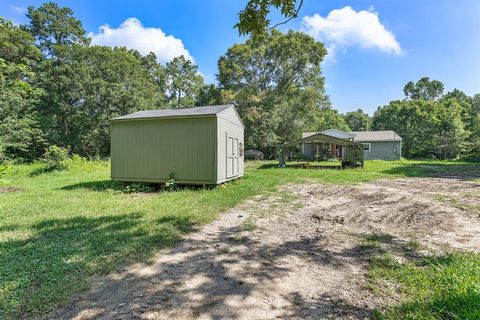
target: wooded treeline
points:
(57, 89)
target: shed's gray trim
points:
(238, 115)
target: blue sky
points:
(375, 46)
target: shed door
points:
(233, 156)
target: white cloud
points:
(133, 35)
(17, 9)
(346, 27)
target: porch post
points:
(282, 162)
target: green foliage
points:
(20, 130)
(254, 18)
(56, 158)
(424, 89)
(52, 26)
(56, 89)
(329, 118)
(432, 127)
(171, 183)
(358, 120)
(78, 87)
(209, 95)
(275, 80)
(183, 82)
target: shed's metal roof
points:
(387, 135)
(182, 112)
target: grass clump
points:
(437, 287)
(249, 226)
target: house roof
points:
(171, 113)
(361, 136)
(387, 135)
(322, 137)
(331, 132)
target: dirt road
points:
(303, 257)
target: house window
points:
(367, 146)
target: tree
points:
(254, 18)
(20, 131)
(358, 120)
(209, 95)
(115, 82)
(85, 86)
(53, 26)
(465, 102)
(60, 37)
(183, 82)
(275, 80)
(476, 104)
(428, 128)
(424, 89)
(451, 138)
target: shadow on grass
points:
(43, 271)
(268, 166)
(453, 171)
(130, 187)
(296, 166)
(42, 170)
(100, 185)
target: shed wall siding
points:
(227, 121)
(149, 150)
(383, 150)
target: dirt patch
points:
(9, 189)
(305, 258)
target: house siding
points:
(383, 150)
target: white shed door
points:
(233, 157)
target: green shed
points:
(201, 145)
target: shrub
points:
(171, 183)
(56, 158)
(253, 155)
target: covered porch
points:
(347, 152)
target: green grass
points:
(60, 228)
(457, 203)
(443, 287)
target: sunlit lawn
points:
(58, 229)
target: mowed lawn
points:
(58, 229)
